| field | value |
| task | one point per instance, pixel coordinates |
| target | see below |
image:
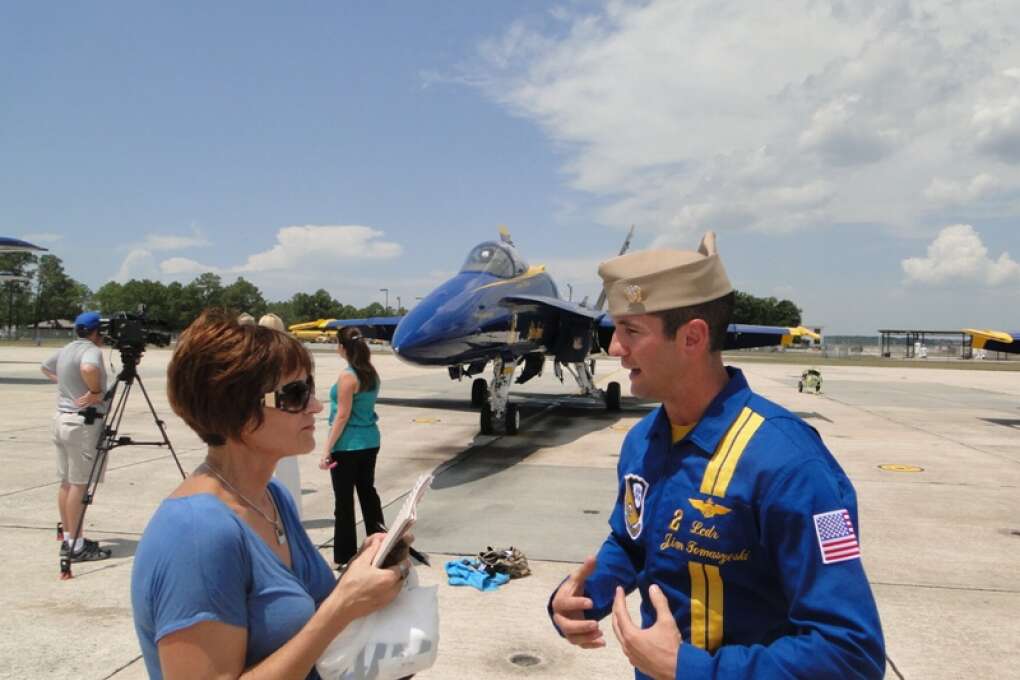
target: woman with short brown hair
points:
(226, 582)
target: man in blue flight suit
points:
(733, 520)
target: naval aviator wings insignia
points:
(708, 508)
(635, 490)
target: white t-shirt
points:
(67, 365)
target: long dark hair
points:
(359, 357)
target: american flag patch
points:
(836, 537)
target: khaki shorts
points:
(76, 447)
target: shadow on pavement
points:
(541, 428)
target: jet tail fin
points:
(504, 235)
(623, 249)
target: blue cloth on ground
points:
(471, 572)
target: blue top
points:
(749, 526)
(198, 561)
(361, 431)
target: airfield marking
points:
(898, 467)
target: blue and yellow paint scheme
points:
(498, 310)
(499, 307)
(994, 341)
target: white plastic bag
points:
(391, 643)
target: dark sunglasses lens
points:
(295, 396)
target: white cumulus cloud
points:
(949, 191)
(729, 114)
(958, 254)
(300, 250)
(295, 245)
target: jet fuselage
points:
(462, 320)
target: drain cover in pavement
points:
(525, 660)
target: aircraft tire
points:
(486, 425)
(513, 419)
(613, 396)
(479, 391)
(800, 386)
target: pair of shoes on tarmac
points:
(90, 552)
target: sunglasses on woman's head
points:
(292, 397)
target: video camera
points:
(133, 331)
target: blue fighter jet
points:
(498, 310)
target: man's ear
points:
(696, 334)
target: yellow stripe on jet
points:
(724, 461)
(982, 336)
(532, 271)
(798, 332)
(706, 606)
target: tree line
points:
(43, 292)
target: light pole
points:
(398, 304)
(570, 291)
(387, 291)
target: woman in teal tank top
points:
(353, 445)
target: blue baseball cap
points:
(87, 320)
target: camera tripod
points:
(115, 403)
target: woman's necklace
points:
(281, 536)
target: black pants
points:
(354, 469)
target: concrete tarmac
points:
(940, 545)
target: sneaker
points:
(90, 552)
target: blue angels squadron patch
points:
(635, 489)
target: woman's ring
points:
(405, 569)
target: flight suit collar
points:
(718, 417)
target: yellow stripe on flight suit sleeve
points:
(706, 580)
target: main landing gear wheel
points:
(479, 391)
(513, 419)
(613, 396)
(487, 426)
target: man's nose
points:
(615, 346)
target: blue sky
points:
(862, 159)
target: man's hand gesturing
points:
(653, 650)
(569, 605)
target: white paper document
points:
(404, 520)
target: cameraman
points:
(78, 371)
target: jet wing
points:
(738, 335)
(318, 324)
(746, 336)
(375, 327)
(556, 327)
(14, 245)
(549, 303)
(994, 341)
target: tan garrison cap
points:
(654, 280)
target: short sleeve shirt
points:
(198, 561)
(67, 365)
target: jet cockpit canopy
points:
(498, 259)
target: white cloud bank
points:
(140, 261)
(301, 248)
(958, 255)
(684, 116)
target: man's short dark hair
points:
(716, 313)
(84, 331)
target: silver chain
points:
(281, 536)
